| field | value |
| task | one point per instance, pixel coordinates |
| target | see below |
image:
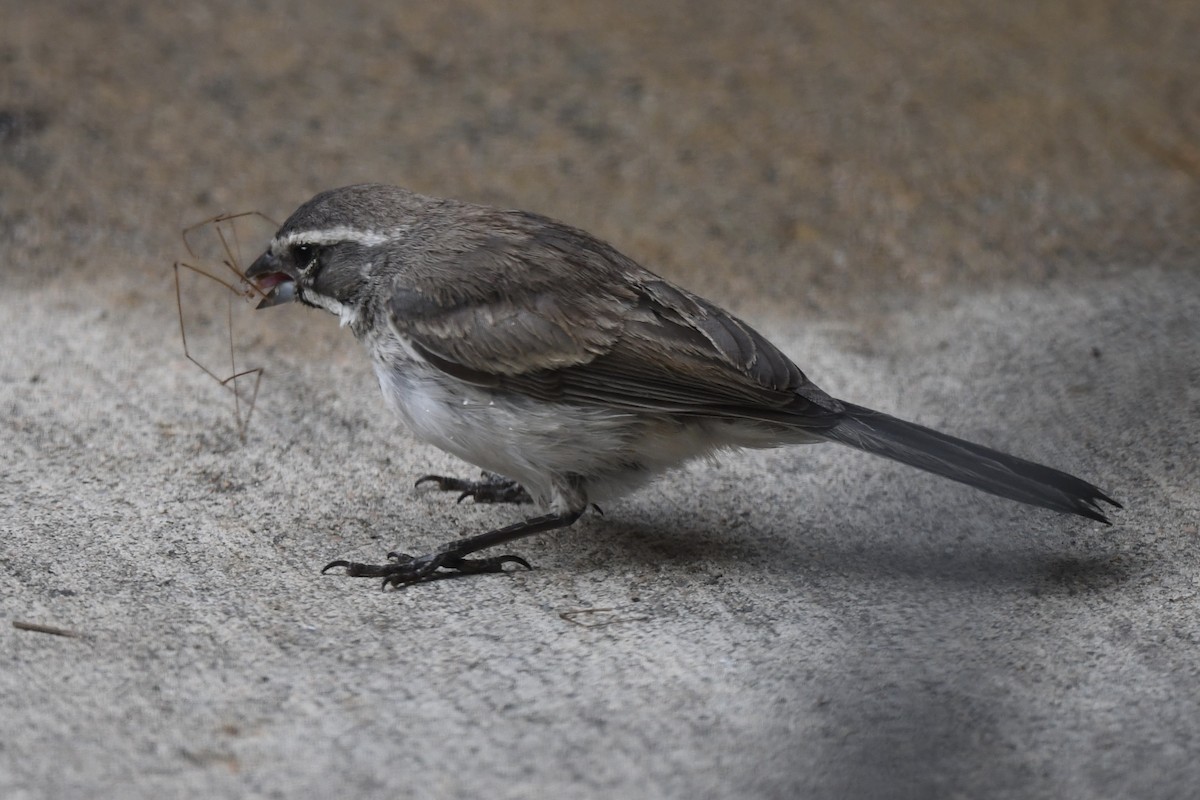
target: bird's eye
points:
(304, 254)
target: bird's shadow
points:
(1005, 560)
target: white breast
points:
(540, 444)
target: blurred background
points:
(828, 153)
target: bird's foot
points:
(403, 569)
(492, 489)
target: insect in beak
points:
(276, 285)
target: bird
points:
(566, 371)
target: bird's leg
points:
(492, 489)
(404, 569)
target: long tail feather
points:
(975, 465)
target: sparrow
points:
(568, 372)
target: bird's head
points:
(332, 250)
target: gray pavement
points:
(984, 220)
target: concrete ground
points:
(981, 216)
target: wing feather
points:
(548, 311)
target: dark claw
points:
(492, 489)
(356, 570)
(403, 569)
(493, 564)
(333, 564)
(444, 484)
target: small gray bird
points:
(567, 371)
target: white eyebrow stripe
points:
(340, 233)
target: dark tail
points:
(972, 464)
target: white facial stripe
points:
(332, 236)
(347, 315)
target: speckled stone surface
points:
(985, 217)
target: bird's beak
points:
(271, 278)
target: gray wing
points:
(552, 313)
